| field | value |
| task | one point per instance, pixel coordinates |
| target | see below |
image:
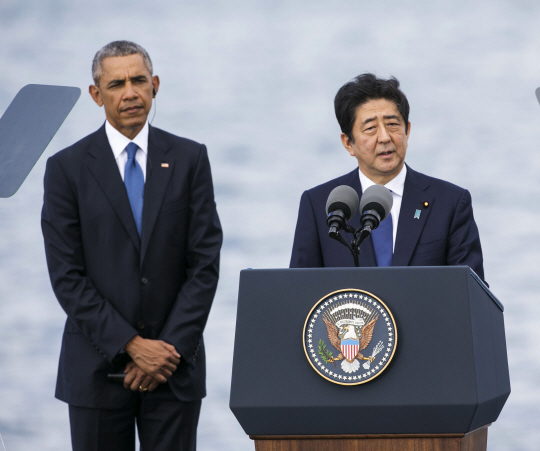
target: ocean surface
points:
(255, 81)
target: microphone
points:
(340, 207)
(375, 207)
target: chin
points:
(389, 169)
(134, 123)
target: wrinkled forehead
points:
(123, 67)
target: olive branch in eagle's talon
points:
(326, 355)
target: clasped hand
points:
(153, 363)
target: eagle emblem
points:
(350, 340)
(349, 321)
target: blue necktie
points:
(134, 181)
(383, 241)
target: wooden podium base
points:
(472, 441)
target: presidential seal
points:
(350, 337)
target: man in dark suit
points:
(431, 221)
(132, 241)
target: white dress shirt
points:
(119, 143)
(396, 185)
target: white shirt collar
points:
(396, 185)
(118, 142)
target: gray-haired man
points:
(132, 239)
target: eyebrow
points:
(391, 116)
(123, 80)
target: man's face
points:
(125, 90)
(380, 140)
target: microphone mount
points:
(370, 221)
(336, 220)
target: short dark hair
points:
(118, 48)
(362, 89)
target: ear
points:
(95, 93)
(155, 85)
(408, 128)
(346, 141)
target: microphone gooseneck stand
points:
(370, 221)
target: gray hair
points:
(118, 48)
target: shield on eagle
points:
(349, 348)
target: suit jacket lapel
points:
(409, 227)
(367, 254)
(157, 179)
(104, 169)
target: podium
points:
(447, 381)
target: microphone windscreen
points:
(342, 198)
(379, 198)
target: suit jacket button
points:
(144, 280)
(140, 325)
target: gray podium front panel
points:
(449, 373)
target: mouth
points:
(386, 153)
(132, 109)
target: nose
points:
(383, 137)
(129, 92)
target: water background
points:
(255, 81)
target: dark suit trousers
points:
(164, 423)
